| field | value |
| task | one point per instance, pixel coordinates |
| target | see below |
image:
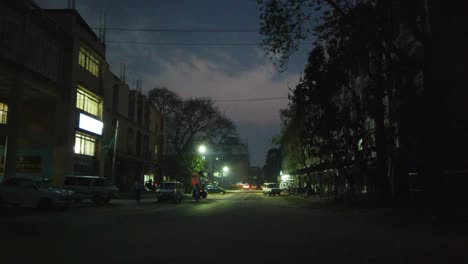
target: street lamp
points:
(202, 149)
(225, 170)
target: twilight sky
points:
(217, 71)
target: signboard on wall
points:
(90, 124)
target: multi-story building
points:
(35, 55)
(138, 123)
(82, 104)
(54, 86)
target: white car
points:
(98, 189)
(26, 192)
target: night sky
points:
(219, 72)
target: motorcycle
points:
(197, 194)
(150, 186)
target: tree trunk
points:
(161, 150)
(380, 177)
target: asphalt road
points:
(233, 228)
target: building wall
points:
(129, 163)
(32, 55)
(39, 85)
(80, 35)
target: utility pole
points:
(115, 149)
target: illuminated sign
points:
(90, 124)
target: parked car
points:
(170, 191)
(26, 192)
(98, 189)
(271, 189)
(210, 188)
(246, 186)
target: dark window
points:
(99, 182)
(115, 98)
(138, 143)
(147, 116)
(102, 182)
(140, 109)
(131, 106)
(167, 185)
(146, 147)
(83, 181)
(130, 141)
(70, 181)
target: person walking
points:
(195, 186)
(137, 189)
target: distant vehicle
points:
(271, 189)
(170, 191)
(215, 189)
(26, 192)
(98, 189)
(246, 186)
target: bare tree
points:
(166, 102)
(198, 118)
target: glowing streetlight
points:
(202, 149)
(225, 171)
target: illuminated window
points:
(85, 145)
(89, 61)
(88, 102)
(3, 113)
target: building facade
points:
(34, 90)
(59, 102)
(83, 97)
(135, 123)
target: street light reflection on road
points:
(204, 207)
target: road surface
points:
(231, 228)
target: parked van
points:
(170, 191)
(98, 189)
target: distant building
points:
(255, 176)
(232, 154)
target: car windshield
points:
(167, 185)
(103, 182)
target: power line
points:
(192, 30)
(192, 44)
(182, 43)
(250, 100)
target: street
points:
(244, 227)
